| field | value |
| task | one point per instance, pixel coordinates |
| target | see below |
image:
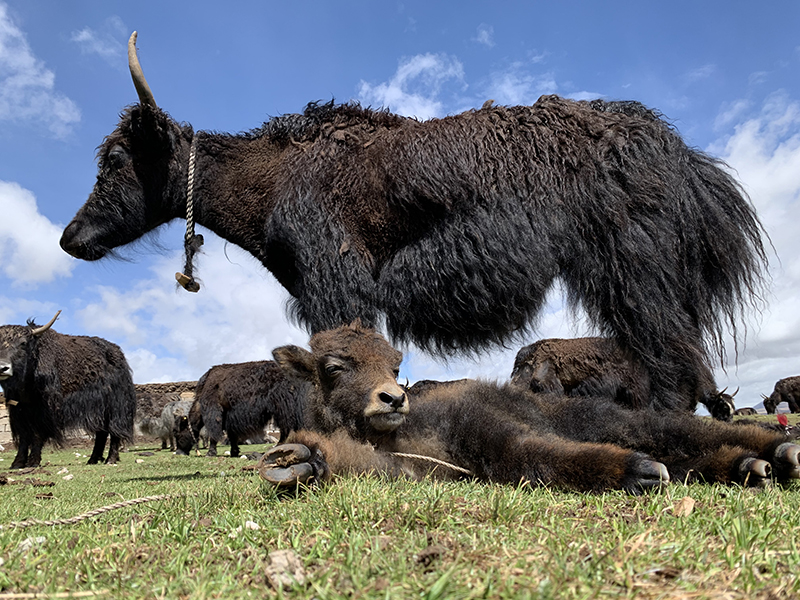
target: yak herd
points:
(447, 234)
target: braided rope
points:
(434, 460)
(190, 193)
(88, 515)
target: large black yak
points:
(241, 399)
(359, 420)
(55, 382)
(454, 229)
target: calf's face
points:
(353, 371)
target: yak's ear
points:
(152, 130)
(295, 361)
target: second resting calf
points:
(358, 418)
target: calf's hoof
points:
(288, 465)
(644, 474)
(786, 461)
(754, 472)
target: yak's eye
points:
(396, 373)
(117, 156)
(333, 369)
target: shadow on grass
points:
(191, 476)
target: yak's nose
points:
(395, 400)
(5, 370)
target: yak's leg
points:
(552, 460)
(23, 448)
(35, 456)
(310, 456)
(233, 438)
(212, 447)
(113, 450)
(709, 449)
(214, 420)
(100, 438)
(628, 288)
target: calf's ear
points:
(295, 361)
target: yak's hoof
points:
(787, 461)
(286, 465)
(754, 472)
(286, 454)
(645, 474)
(287, 476)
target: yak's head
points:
(140, 166)
(16, 345)
(720, 404)
(353, 371)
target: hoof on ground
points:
(787, 461)
(645, 474)
(286, 465)
(754, 472)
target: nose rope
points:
(191, 242)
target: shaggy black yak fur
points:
(54, 383)
(600, 366)
(786, 390)
(241, 399)
(453, 230)
(358, 417)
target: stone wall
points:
(5, 427)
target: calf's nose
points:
(395, 400)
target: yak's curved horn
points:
(145, 95)
(43, 328)
(734, 393)
(725, 389)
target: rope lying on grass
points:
(434, 460)
(135, 501)
(90, 514)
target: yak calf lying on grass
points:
(358, 418)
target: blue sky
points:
(727, 74)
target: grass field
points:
(221, 533)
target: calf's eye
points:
(333, 370)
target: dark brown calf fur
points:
(358, 417)
(599, 366)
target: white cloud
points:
(414, 88)
(106, 43)
(700, 73)
(29, 250)
(485, 35)
(515, 85)
(168, 334)
(27, 87)
(764, 150)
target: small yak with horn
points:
(454, 229)
(55, 382)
